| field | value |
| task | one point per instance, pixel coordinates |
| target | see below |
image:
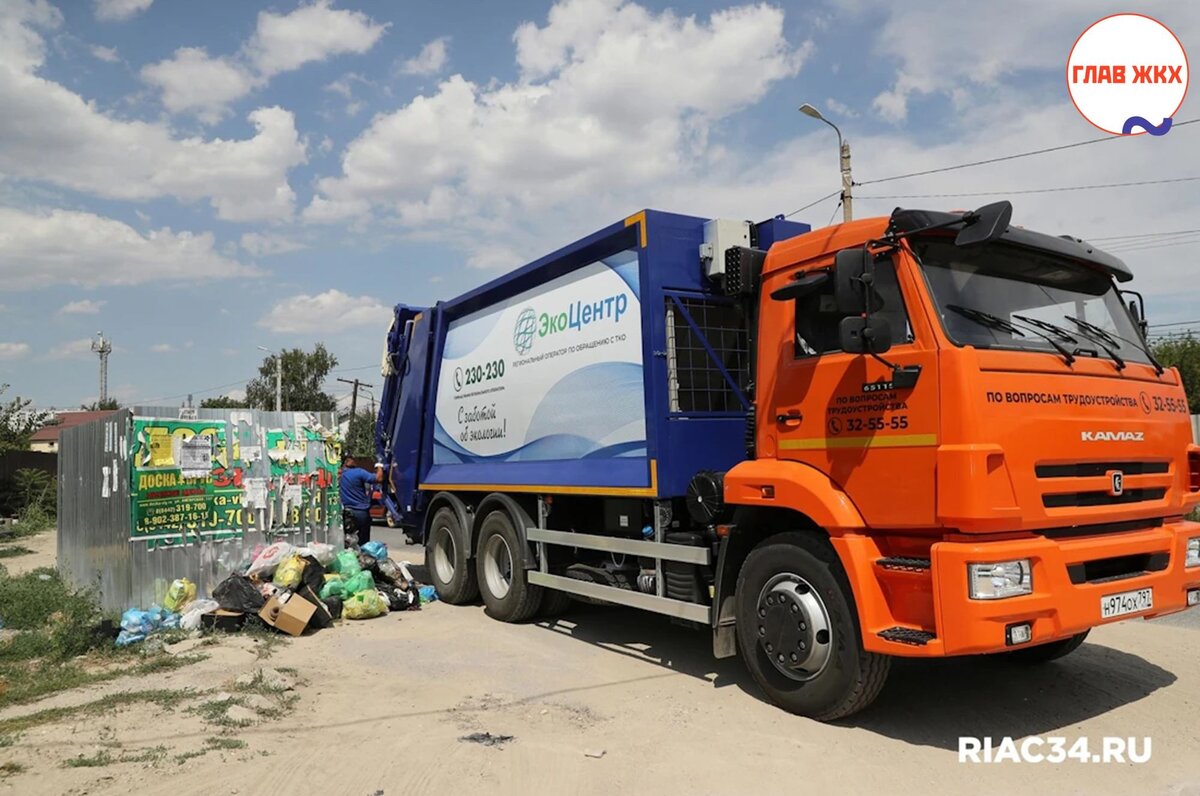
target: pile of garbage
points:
(290, 589)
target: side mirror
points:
(853, 273)
(985, 224)
(803, 285)
(869, 335)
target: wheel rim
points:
(497, 566)
(443, 555)
(793, 628)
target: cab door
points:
(840, 412)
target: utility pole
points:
(354, 394)
(843, 162)
(103, 348)
(278, 377)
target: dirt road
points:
(608, 700)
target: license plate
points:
(1127, 602)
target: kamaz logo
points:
(1112, 436)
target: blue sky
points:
(198, 179)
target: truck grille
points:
(1093, 469)
(1101, 498)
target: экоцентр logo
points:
(1128, 74)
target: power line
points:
(1147, 235)
(1032, 190)
(1177, 323)
(1008, 157)
(838, 192)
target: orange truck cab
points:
(925, 435)
(972, 414)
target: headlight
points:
(1193, 552)
(1000, 579)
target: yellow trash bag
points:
(366, 604)
(179, 593)
(288, 575)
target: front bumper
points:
(1058, 607)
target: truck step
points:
(903, 563)
(908, 635)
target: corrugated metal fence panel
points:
(1196, 429)
(94, 509)
(96, 512)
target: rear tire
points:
(798, 631)
(554, 603)
(1044, 653)
(446, 559)
(500, 571)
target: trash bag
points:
(271, 557)
(179, 593)
(428, 594)
(363, 581)
(399, 599)
(389, 571)
(195, 610)
(313, 575)
(125, 638)
(137, 622)
(321, 618)
(237, 593)
(364, 605)
(324, 553)
(287, 575)
(376, 550)
(267, 590)
(332, 588)
(334, 604)
(346, 563)
(369, 563)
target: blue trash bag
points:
(428, 594)
(125, 638)
(376, 550)
(138, 622)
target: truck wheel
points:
(798, 630)
(1044, 653)
(446, 559)
(507, 592)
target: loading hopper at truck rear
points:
(925, 435)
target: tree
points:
(360, 436)
(303, 375)
(18, 422)
(225, 402)
(99, 406)
(1183, 353)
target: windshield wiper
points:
(1100, 338)
(1068, 356)
(1113, 338)
(996, 322)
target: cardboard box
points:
(287, 612)
(220, 619)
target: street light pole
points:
(278, 377)
(843, 162)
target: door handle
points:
(790, 419)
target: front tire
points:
(449, 569)
(500, 571)
(798, 630)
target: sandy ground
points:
(610, 700)
(43, 546)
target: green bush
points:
(63, 620)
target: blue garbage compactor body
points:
(610, 367)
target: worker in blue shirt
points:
(355, 485)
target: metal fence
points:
(99, 547)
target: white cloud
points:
(73, 349)
(117, 10)
(81, 307)
(333, 308)
(582, 105)
(191, 81)
(162, 348)
(106, 54)
(69, 247)
(431, 60)
(14, 350)
(268, 244)
(314, 32)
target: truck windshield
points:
(1001, 296)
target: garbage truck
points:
(924, 435)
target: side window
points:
(817, 317)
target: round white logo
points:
(1128, 74)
